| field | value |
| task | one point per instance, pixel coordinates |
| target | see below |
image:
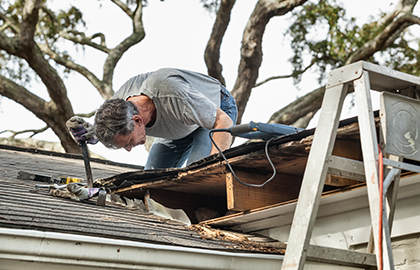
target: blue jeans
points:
(167, 153)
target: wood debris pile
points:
(240, 241)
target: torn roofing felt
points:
(132, 179)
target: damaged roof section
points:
(25, 207)
(209, 183)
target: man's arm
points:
(222, 139)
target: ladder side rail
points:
(386, 223)
(370, 152)
(391, 195)
(391, 199)
(314, 176)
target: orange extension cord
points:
(381, 203)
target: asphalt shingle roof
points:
(22, 206)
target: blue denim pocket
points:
(228, 104)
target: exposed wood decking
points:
(209, 183)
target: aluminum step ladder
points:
(400, 126)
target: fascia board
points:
(48, 250)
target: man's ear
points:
(137, 119)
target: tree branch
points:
(212, 52)
(86, 115)
(28, 49)
(286, 76)
(73, 66)
(378, 43)
(251, 50)
(309, 103)
(45, 48)
(34, 131)
(115, 54)
(8, 44)
(76, 36)
(403, 7)
(80, 38)
(59, 109)
(8, 23)
(21, 95)
(124, 7)
(29, 21)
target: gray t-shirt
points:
(184, 100)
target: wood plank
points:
(348, 149)
(209, 180)
(240, 197)
(337, 181)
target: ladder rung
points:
(401, 165)
(340, 256)
(347, 168)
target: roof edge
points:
(49, 249)
(67, 155)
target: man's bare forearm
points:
(222, 139)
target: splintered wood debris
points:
(241, 241)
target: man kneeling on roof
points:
(177, 107)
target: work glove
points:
(81, 130)
(82, 193)
(75, 192)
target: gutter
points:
(31, 249)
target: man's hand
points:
(222, 139)
(81, 130)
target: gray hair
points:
(113, 118)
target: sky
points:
(176, 35)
